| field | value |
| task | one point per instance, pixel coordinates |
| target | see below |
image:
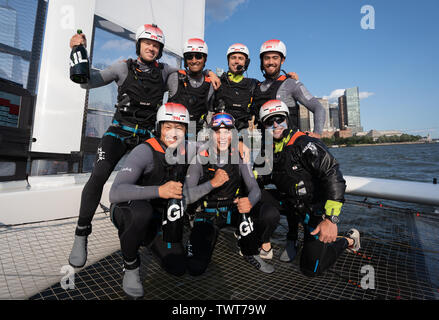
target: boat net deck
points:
(399, 256)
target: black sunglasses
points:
(190, 56)
(278, 119)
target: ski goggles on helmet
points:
(276, 118)
(222, 120)
(190, 56)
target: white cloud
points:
(221, 10)
(333, 96)
(365, 94)
(123, 45)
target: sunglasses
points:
(278, 119)
(190, 56)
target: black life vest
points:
(236, 97)
(289, 173)
(162, 172)
(228, 191)
(194, 99)
(145, 90)
(259, 98)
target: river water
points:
(414, 162)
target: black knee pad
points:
(312, 259)
(171, 255)
(196, 266)
(203, 238)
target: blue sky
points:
(395, 65)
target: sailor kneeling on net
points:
(228, 195)
(311, 188)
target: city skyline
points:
(394, 65)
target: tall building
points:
(325, 104)
(333, 116)
(342, 112)
(353, 109)
(304, 118)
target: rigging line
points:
(152, 12)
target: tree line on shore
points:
(369, 140)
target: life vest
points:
(194, 99)
(260, 97)
(236, 97)
(228, 191)
(162, 171)
(289, 171)
(145, 90)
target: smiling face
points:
(276, 124)
(222, 138)
(272, 62)
(235, 60)
(149, 49)
(195, 61)
(172, 133)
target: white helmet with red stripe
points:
(152, 32)
(238, 48)
(273, 45)
(195, 45)
(174, 112)
(271, 108)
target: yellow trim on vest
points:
(333, 208)
(235, 77)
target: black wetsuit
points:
(218, 210)
(140, 91)
(195, 92)
(137, 209)
(306, 175)
(236, 99)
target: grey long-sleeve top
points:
(290, 91)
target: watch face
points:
(334, 219)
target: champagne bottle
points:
(79, 65)
(172, 219)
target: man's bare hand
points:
(326, 230)
(171, 190)
(219, 179)
(216, 82)
(78, 39)
(293, 75)
(314, 135)
(244, 205)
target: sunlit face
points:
(149, 49)
(276, 128)
(222, 138)
(235, 60)
(195, 61)
(272, 62)
(172, 133)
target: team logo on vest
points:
(175, 212)
(246, 227)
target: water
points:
(413, 162)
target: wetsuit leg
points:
(203, 239)
(134, 221)
(110, 151)
(171, 255)
(266, 217)
(317, 256)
